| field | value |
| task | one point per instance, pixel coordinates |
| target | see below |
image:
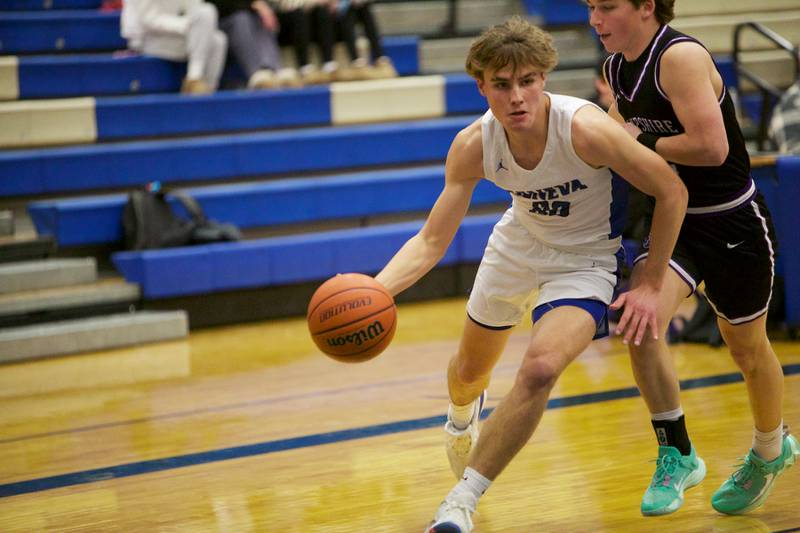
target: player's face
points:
(616, 23)
(514, 96)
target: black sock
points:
(673, 433)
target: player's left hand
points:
(640, 313)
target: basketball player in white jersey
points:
(671, 98)
(556, 249)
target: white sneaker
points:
(311, 75)
(459, 442)
(289, 77)
(453, 516)
(383, 68)
(263, 79)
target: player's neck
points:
(641, 41)
(528, 146)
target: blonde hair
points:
(516, 42)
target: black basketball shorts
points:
(734, 253)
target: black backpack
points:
(149, 222)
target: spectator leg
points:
(252, 46)
(364, 14)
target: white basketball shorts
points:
(518, 273)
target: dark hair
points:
(664, 12)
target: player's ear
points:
(480, 84)
(648, 7)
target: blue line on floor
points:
(222, 408)
(261, 448)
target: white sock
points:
(461, 415)
(668, 415)
(768, 445)
(471, 487)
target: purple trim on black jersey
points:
(744, 190)
(736, 202)
(607, 73)
(678, 269)
(658, 63)
(612, 81)
(644, 67)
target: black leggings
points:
(299, 27)
(347, 25)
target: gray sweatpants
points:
(251, 45)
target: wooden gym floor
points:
(248, 428)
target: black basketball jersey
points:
(641, 101)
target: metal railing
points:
(769, 93)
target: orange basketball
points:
(352, 318)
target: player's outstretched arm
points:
(423, 251)
(600, 141)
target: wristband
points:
(648, 139)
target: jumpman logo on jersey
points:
(501, 167)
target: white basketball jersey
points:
(563, 202)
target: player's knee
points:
(747, 356)
(749, 351)
(538, 372)
(746, 361)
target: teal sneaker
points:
(750, 485)
(674, 474)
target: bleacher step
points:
(91, 334)
(55, 298)
(6, 222)
(15, 248)
(426, 17)
(42, 274)
(572, 82)
(576, 46)
(716, 31)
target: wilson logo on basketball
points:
(358, 337)
(338, 309)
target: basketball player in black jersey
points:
(670, 97)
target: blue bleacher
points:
(215, 138)
(98, 220)
(784, 212)
(287, 260)
(45, 5)
(59, 31)
(562, 12)
(220, 157)
(52, 76)
(228, 111)
(308, 257)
